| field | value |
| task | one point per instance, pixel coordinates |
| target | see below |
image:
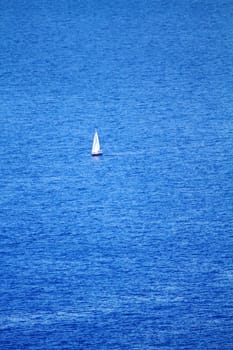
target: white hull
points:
(99, 153)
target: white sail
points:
(96, 145)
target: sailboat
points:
(96, 151)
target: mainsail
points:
(96, 145)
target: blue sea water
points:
(132, 250)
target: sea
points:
(132, 250)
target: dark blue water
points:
(133, 250)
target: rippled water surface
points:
(132, 250)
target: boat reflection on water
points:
(97, 158)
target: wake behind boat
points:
(96, 151)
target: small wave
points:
(27, 320)
(127, 153)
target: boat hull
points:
(96, 154)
